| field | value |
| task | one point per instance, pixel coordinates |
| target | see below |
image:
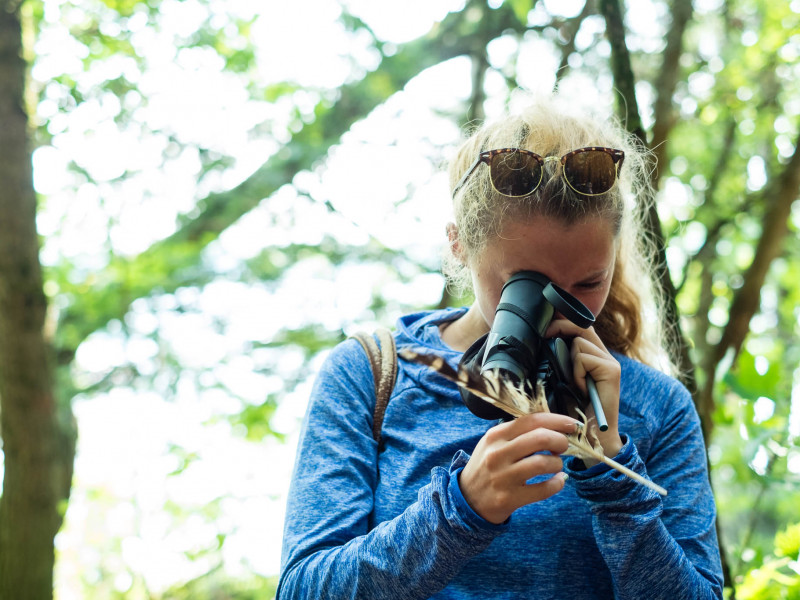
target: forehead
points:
(563, 252)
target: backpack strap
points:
(382, 356)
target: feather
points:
(515, 400)
(495, 390)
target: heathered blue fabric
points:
(394, 524)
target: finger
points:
(564, 328)
(586, 346)
(553, 421)
(535, 492)
(602, 368)
(538, 440)
(535, 465)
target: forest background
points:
(199, 198)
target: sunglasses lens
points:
(515, 173)
(591, 172)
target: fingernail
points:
(564, 476)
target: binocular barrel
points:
(516, 347)
(520, 320)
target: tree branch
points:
(570, 30)
(747, 299)
(454, 36)
(665, 84)
(712, 233)
(624, 81)
(776, 226)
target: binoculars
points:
(516, 349)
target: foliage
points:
(219, 255)
(779, 575)
(211, 587)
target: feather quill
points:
(513, 399)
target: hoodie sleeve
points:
(657, 547)
(328, 549)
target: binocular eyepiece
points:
(515, 346)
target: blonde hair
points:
(630, 322)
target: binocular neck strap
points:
(523, 351)
(521, 313)
(510, 340)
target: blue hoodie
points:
(393, 524)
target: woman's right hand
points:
(493, 482)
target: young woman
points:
(453, 506)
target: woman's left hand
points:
(589, 355)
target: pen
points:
(594, 397)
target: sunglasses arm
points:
(469, 172)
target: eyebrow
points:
(602, 273)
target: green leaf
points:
(787, 542)
(748, 383)
(521, 9)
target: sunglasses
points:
(515, 172)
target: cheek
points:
(487, 294)
(595, 301)
(596, 307)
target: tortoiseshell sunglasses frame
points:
(617, 156)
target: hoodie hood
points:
(420, 332)
(421, 329)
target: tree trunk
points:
(667, 80)
(38, 440)
(628, 107)
(625, 82)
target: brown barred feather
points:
(513, 399)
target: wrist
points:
(465, 487)
(611, 442)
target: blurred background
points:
(223, 190)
